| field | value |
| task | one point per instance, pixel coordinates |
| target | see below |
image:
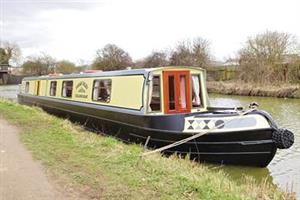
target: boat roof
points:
(126, 72)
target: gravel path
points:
(21, 178)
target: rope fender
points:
(283, 138)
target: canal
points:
(9, 92)
(284, 170)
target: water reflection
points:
(9, 92)
(284, 170)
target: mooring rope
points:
(193, 136)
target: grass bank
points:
(104, 168)
(245, 89)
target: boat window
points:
(182, 98)
(67, 88)
(155, 94)
(196, 91)
(27, 87)
(53, 85)
(102, 90)
(171, 93)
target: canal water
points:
(284, 170)
(9, 92)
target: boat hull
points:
(248, 147)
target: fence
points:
(221, 73)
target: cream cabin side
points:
(125, 92)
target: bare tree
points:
(111, 57)
(183, 54)
(65, 67)
(191, 53)
(39, 65)
(201, 52)
(263, 56)
(156, 59)
(269, 47)
(9, 52)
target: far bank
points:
(248, 89)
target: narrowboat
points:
(158, 107)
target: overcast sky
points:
(75, 29)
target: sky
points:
(75, 29)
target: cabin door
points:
(177, 93)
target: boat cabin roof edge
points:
(144, 71)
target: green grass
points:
(104, 168)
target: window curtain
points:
(196, 90)
(96, 90)
(52, 89)
(107, 87)
(182, 92)
(65, 89)
(150, 95)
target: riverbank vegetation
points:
(270, 58)
(101, 167)
(246, 89)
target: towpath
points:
(21, 178)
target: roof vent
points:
(128, 68)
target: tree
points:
(156, 59)
(111, 57)
(9, 52)
(32, 67)
(201, 51)
(263, 56)
(39, 65)
(182, 55)
(269, 47)
(191, 53)
(65, 67)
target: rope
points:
(177, 143)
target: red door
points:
(177, 93)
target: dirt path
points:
(21, 178)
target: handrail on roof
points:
(55, 74)
(90, 71)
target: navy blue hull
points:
(252, 148)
